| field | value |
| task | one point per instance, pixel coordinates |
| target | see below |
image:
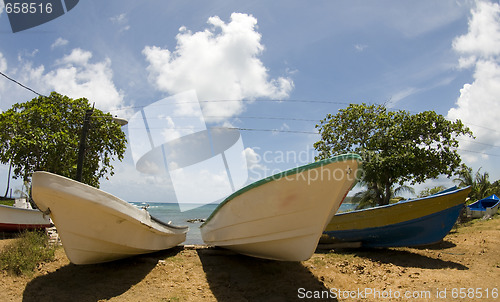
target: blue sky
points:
(315, 57)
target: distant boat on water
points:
(14, 219)
(486, 206)
(95, 226)
(412, 222)
(281, 217)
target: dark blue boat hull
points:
(421, 231)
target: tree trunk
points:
(387, 196)
(378, 193)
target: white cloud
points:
(3, 68)
(398, 96)
(3, 63)
(78, 77)
(483, 38)
(254, 163)
(360, 47)
(220, 63)
(77, 56)
(478, 104)
(74, 75)
(122, 21)
(59, 42)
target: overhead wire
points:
(270, 117)
(20, 84)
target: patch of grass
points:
(7, 202)
(26, 253)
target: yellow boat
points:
(414, 222)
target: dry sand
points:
(467, 262)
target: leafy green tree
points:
(44, 134)
(396, 146)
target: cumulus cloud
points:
(478, 102)
(76, 76)
(483, 38)
(220, 63)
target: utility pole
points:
(8, 179)
(83, 138)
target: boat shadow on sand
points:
(409, 257)
(235, 277)
(93, 282)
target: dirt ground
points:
(465, 266)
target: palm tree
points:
(367, 198)
(465, 177)
(483, 185)
(479, 183)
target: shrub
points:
(26, 253)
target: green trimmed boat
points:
(282, 217)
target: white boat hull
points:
(95, 226)
(18, 219)
(489, 212)
(282, 217)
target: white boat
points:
(95, 226)
(14, 219)
(283, 216)
(485, 207)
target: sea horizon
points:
(193, 218)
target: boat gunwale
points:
(456, 208)
(479, 202)
(400, 203)
(289, 172)
(23, 209)
(152, 220)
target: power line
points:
(478, 143)
(270, 130)
(20, 84)
(241, 100)
(236, 128)
(477, 152)
(238, 117)
(263, 117)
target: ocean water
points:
(171, 212)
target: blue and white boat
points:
(486, 206)
(413, 222)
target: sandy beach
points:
(465, 266)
